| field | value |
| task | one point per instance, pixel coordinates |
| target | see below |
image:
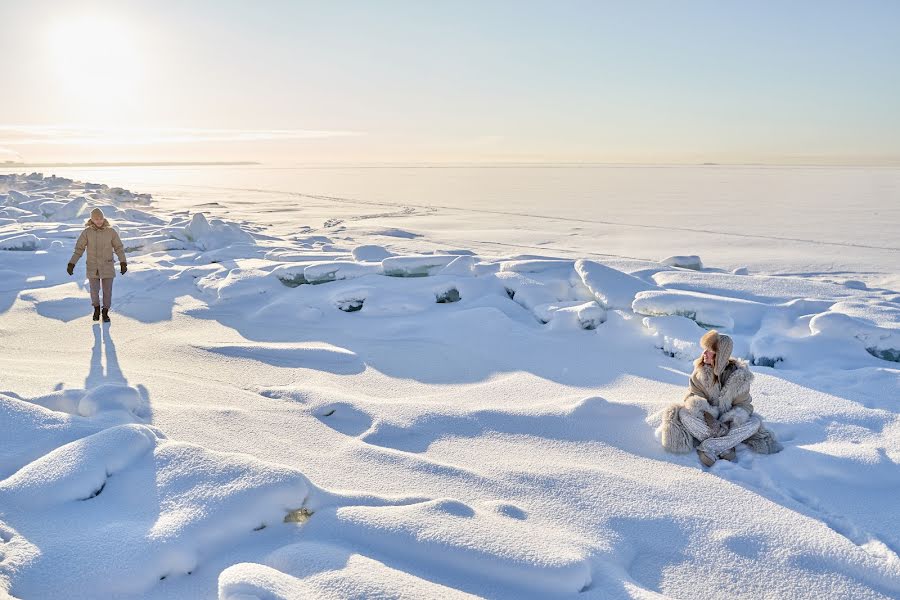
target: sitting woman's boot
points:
(730, 455)
(707, 459)
(105, 312)
(96, 313)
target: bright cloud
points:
(27, 135)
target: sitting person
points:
(717, 413)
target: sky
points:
(777, 82)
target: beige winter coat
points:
(100, 243)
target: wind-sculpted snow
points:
(355, 410)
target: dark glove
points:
(70, 268)
(123, 267)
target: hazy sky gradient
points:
(290, 81)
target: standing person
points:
(101, 240)
(717, 413)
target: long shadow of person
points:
(112, 375)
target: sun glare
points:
(97, 66)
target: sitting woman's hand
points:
(716, 427)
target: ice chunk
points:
(74, 209)
(14, 197)
(416, 266)
(370, 253)
(705, 309)
(447, 295)
(687, 261)
(679, 337)
(879, 342)
(613, 289)
(291, 275)
(337, 270)
(530, 292)
(534, 265)
(211, 234)
(461, 265)
(22, 241)
(571, 315)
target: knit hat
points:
(721, 344)
(96, 213)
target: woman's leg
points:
(719, 445)
(696, 426)
(95, 291)
(107, 292)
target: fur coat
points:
(721, 390)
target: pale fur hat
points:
(719, 343)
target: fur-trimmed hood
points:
(719, 343)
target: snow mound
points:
(459, 541)
(135, 507)
(613, 289)
(329, 572)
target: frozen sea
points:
(809, 220)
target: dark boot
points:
(96, 313)
(730, 455)
(708, 460)
(105, 312)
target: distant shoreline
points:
(15, 165)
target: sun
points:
(96, 65)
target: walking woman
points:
(100, 240)
(717, 413)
